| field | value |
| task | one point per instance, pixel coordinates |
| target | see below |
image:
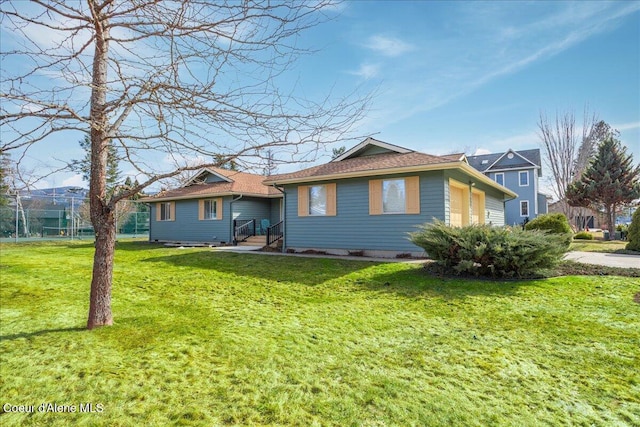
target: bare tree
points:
(567, 150)
(183, 79)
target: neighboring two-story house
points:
(519, 171)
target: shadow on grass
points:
(420, 283)
(38, 333)
(307, 271)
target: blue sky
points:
(470, 76)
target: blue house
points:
(371, 196)
(217, 206)
(364, 201)
(519, 171)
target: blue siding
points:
(529, 193)
(353, 228)
(187, 227)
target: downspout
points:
(233, 232)
(284, 217)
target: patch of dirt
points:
(636, 298)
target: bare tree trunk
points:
(102, 213)
(100, 303)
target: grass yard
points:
(609, 246)
(208, 338)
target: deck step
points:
(254, 241)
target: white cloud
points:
(388, 46)
(74, 181)
(626, 126)
(366, 71)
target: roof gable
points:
(215, 182)
(207, 175)
(510, 159)
(370, 147)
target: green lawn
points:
(209, 338)
(599, 245)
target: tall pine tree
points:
(609, 182)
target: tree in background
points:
(337, 152)
(609, 182)
(566, 150)
(5, 172)
(162, 80)
(83, 166)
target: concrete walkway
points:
(606, 259)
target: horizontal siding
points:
(252, 208)
(187, 227)
(495, 210)
(353, 228)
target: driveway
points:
(606, 259)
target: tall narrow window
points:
(165, 211)
(524, 178)
(210, 209)
(524, 208)
(393, 196)
(499, 178)
(317, 200)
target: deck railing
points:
(243, 229)
(275, 233)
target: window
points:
(165, 211)
(524, 178)
(499, 178)
(210, 209)
(524, 208)
(317, 200)
(394, 196)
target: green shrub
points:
(490, 251)
(583, 235)
(633, 236)
(555, 223)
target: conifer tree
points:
(610, 181)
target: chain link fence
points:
(63, 217)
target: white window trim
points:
(495, 178)
(520, 184)
(404, 201)
(528, 208)
(325, 200)
(215, 213)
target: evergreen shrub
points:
(555, 223)
(583, 235)
(633, 236)
(483, 250)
